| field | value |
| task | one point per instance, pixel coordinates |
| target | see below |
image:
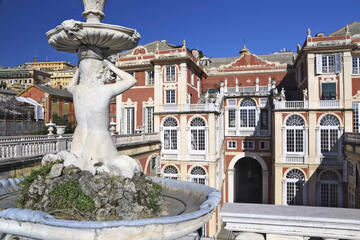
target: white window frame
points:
(170, 73)
(170, 130)
(232, 144)
(228, 118)
(246, 142)
(197, 129)
(149, 118)
(296, 184)
(249, 111)
(324, 63)
(295, 130)
(130, 120)
(168, 175)
(150, 81)
(198, 178)
(172, 97)
(329, 129)
(356, 66)
(329, 184)
(266, 145)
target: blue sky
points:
(218, 28)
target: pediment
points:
(248, 60)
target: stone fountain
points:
(95, 82)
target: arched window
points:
(198, 175)
(294, 181)
(247, 113)
(170, 140)
(329, 134)
(295, 134)
(197, 134)
(329, 189)
(171, 172)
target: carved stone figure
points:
(92, 146)
(305, 94)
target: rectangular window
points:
(264, 145)
(231, 118)
(150, 119)
(170, 74)
(170, 139)
(356, 65)
(248, 145)
(150, 77)
(231, 145)
(231, 102)
(54, 100)
(170, 96)
(264, 118)
(328, 64)
(356, 116)
(328, 91)
(129, 120)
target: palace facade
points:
(259, 128)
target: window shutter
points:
(144, 119)
(338, 60)
(318, 64)
(158, 165)
(122, 121)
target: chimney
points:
(35, 59)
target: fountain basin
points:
(110, 38)
(200, 200)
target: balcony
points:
(210, 107)
(323, 104)
(248, 91)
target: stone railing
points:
(210, 107)
(305, 104)
(253, 221)
(136, 138)
(26, 146)
(251, 90)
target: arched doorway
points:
(248, 181)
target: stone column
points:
(182, 87)
(312, 79)
(230, 185)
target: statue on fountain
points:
(92, 148)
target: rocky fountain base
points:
(64, 203)
(69, 193)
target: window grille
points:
(150, 77)
(170, 134)
(356, 65)
(170, 73)
(294, 187)
(150, 119)
(197, 132)
(198, 175)
(171, 172)
(248, 145)
(356, 116)
(130, 120)
(328, 64)
(170, 96)
(247, 113)
(231, 118)
(295, 134)
(329, 189)
(329, 134)
(231, 144)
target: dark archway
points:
(248, 181)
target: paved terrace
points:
(301, 221)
